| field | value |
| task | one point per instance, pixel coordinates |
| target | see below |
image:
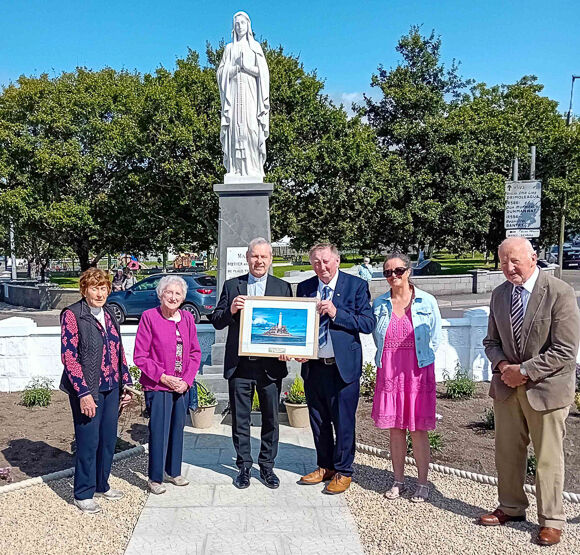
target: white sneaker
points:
(111, 494)
(89, 506)
(156, 488)
(176, 480)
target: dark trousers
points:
(332, 404)
(167, 411)
(250, 376)
(96, 439)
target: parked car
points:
(131, 303)
(571, 255)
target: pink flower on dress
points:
(70, 322)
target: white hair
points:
(522, 241)
(166, 281)
(258, 241)
(366, 260)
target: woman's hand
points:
(126, 398)
(170, 381)
(182, 388)
(88, 406)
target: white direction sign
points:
(527, 233)
(236, 263)
(523, 204)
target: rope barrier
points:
(481, 478)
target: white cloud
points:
(259, 321)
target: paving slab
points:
(211, 516)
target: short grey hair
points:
(366, 260)
(258, 241)
(523, 241)
(166, 281)
(321, 247)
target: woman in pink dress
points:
(407, 335)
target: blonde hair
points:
(94, 277)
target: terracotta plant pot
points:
(297, 415)
(202, 417)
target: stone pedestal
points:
(244, 214)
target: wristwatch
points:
(523, 370)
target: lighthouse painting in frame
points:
(274, 326)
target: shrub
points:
(368, 379)
(37, 393)
(577, 401)
(205, 397)
(135, 373)
(489, 419)
(435, 442)
(255, 402)
(461, 386)
(296, 394)
(531, 465)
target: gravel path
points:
(445, 524)
(41, 519)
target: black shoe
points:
(242, 480)
(270, 479)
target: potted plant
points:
(295, 402)
(202, 416)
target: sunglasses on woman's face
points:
(397, 271)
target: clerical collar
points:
(253, 279)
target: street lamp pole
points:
(13, 275)
(563, 216)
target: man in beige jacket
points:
(532, 342)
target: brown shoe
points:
(318, 476)
(338, 484)
(549, 536)
(499, 517)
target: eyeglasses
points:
(397, 271)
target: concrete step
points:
(213, 369)
(218, 353)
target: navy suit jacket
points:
(353, 316)
(222, 317)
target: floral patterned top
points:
(109, 378)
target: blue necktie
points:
(324, 321)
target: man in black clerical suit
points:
(246, 374)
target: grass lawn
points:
(66, 282)
(453, 265)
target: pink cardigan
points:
(155, 346)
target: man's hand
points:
(238, 303)
(88, 406)
(511, 375)
(326, 307)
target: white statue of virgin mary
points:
(244, 83)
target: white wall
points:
(27, 351)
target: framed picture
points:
(274, 326)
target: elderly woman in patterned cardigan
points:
(95, 371)
(168, 353)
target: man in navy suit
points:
(248, 374)
(332, 381)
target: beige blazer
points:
(550, 336)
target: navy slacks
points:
(96, 439)
(167, 411)
(332, 407)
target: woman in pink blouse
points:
(168, 353)
(94, 372)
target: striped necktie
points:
(324, 322)
(517, 314)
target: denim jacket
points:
(426, 324)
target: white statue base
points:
(235, 178)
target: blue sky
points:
(496, 41)
(293, 318)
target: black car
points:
(570, 259)
(200, 299)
